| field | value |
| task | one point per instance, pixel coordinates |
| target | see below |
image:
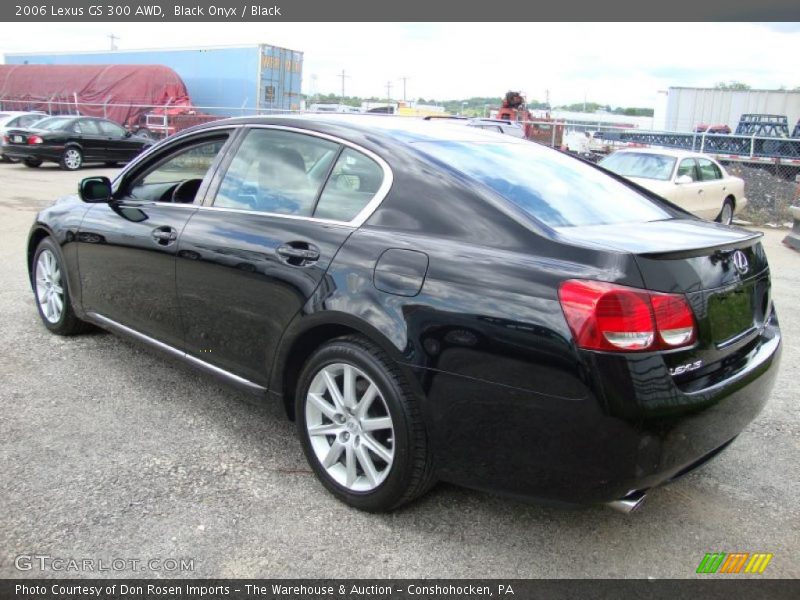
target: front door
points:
(127, 248)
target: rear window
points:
(555, 189)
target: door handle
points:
(164, 235)
(298, 253)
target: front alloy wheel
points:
(350, 427)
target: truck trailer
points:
(223, 80)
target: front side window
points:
(354, 181)
(640, 164)
(708, 170)
(278, 172)
(687, 167)
(186, 167)
(557, 190)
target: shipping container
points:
(687, 107)
(221, 80)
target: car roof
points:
(666, 152)
(399, 128)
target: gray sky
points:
(618, 64)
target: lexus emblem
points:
(740, 262)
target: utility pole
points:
(404, 79)
(343, 76)
(112, 37)
(388, 95)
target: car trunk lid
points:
(722, 271)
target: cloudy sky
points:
(617, 64)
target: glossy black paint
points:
(94, 145)
(459, 288)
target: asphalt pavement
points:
(110, 451)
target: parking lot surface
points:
(109, 450)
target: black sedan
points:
(427, 302)
(73, 141)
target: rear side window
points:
(354, 181)
(278, 172)
(553, 188)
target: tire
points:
(51, 289)
(725, 215)
(32, 163)
(72, 159)
(376, 469)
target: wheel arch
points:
(37, 234)
(309, 333)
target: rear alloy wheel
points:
(32, 162)
(72, 159)
(360, 427)
(52, 291)
(726, 214)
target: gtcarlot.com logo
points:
(45, 562)
(734, 562)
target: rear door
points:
(714, 187)
(119, 144)
(88, 135)
(250, 259)
(127, 249)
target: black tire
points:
(68, 323)
(411, 473)
(32, 163)
(725, 215)
(71, 159)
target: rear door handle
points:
(298, 253)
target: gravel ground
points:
(111, 451)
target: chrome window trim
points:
(361, 217)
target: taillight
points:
(607, 316)
(34, 139)
(6, 139)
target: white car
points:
(16, 119)
(695, 182)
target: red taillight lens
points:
(606, 316)
(34, 139)
(674, 320)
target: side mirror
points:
(95, 189)
(684, 179)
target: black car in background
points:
(72, 141)
(428, 302)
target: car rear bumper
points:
(39, 152)
(634, 429)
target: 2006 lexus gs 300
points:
(429, 302)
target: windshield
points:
(53, 123)
(640, 164)
(554, 188)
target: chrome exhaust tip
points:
(629, 503)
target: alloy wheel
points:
(350, 427)
(72, 159)
(49, 290)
